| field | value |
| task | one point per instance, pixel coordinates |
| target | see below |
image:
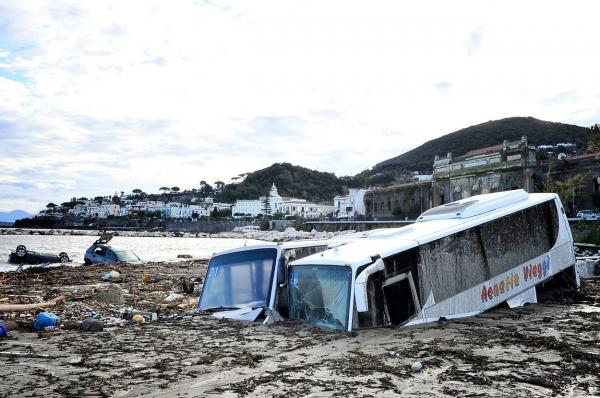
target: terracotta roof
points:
(480, 151)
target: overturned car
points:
(100, 252)
(23, 256)
(457, 260)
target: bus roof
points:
(275, 245)
(382, 244)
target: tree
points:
(567, 189)
(67, 205)
(164, 189)
(219, 184)
(265, 224)
(266, 207)
(137, 191)
(175, 189)
(594, 139)
(206, 190)
(278, 215)
(51, 206)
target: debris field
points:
(548, 349)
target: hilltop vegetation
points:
(482, 135)
(290, 180)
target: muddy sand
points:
(548, 349)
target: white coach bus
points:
(457, 260)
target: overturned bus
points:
(457, 260)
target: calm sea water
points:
(148, 249)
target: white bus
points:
(457, 260)
(243, 282)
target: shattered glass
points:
(320, 295)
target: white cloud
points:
(121, 95)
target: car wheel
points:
(64, 257)
(21, 251)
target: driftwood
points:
(28, 307)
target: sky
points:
(98, 97)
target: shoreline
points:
(270, 236)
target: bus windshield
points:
(238, 280)
(320, 295)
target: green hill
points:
(482, 135)
(290, 180)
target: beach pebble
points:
(112, 276)
(416, 366)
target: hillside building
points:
(276, 204)
(398, 201)
(350, 206)
(510, 165)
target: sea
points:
(146, 248)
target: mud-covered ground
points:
(547, 349)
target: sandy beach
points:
(548, 349)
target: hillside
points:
(290, 180)
(481, 135)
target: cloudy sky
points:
(101, 96)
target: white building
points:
(183, 211)
(247, 207)
(350, 205)
(107, 210)
(277, 204)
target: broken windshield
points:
(238, 280)
(320, 295)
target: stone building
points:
(510, 165)
(398, 201)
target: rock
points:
(11, 325)
(174, 297)
(113, 294)
(137, 318)
(416, 366)
(112, 276)
(91, 325)
(187, 286)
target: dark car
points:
(100, 252)
(23, 256)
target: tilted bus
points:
(457, 260)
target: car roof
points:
(276, 245)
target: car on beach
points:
(588, 215)
(23, 256)
(100, 252)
